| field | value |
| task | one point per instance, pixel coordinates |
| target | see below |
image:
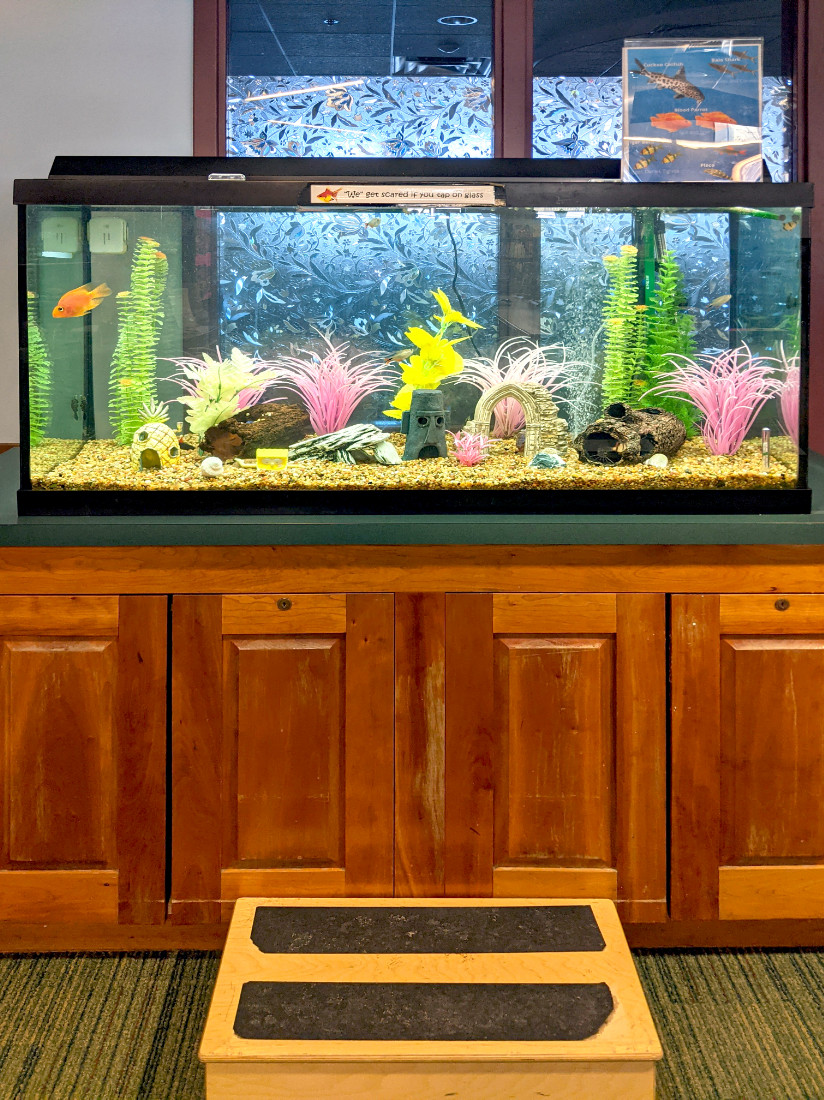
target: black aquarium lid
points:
(275, 168)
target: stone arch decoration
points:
(545, 430)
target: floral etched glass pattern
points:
(350, 116)
(284, 273)
(581, 117)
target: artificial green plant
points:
(40, 376)
(640, 338)
(625, 327)
(436, 357)
(668, 332)
(133, 379)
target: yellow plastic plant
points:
(435, 358)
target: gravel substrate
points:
(103, 464)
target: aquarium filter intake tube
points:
(765, 448)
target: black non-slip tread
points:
(395, 930)
(424, 1011)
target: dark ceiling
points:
(381, 37)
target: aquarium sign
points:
(692, 110)
(380, 194)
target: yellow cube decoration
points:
(271, 459)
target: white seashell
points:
(659, 460)
(211, 466)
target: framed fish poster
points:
(692, 110)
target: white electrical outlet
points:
(107, 235)
(60, 235)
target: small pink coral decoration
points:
(729, 391)
(468, 448)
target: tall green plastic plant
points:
(133, 378)
(40, 377)
(624, 325)
(669, 332)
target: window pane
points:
(384, 78)
(577, 69)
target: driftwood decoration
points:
(545, 430)
(624, 436)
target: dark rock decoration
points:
(270, 424)
(425, 425)
(625, 436)
(355, 444)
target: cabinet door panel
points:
(555, 792)
(555, 777)
(82, 698)
(288, 696)
(283, 776)
(748, 757)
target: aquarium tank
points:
(344, 336)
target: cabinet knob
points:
(782, 604)
(284, 604)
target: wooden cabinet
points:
(282, 759)
(534, 763)
(748, 756)
(83, 698)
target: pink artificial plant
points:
(728, 390)
(332, 386)
(469, 449)
(789, 396)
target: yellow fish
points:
(721, 300)
(649, 150)
(789, 225)
(645, 163)
(669, 158)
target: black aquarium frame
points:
(184, 181)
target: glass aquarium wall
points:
(536, 348)
(375, 79)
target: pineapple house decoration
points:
(154, 444)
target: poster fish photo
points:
(692, 110)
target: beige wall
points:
(83, 77)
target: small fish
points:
(127, 382)
(740, 53)
(721, 300)
(650, 150)
(720, 68)
(399, 356)
(790, 225)
(670, 157)
(373, 223)
(734, 152)
(328, 194)
(742, 68)
(644, 163)
(80, 301)
(160, 255)
(678, 84)
(717, 173)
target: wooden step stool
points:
(413, 999)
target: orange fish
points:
(328, 194)
(81, 300)
(710, 118)
(671, 121)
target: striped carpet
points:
(736, 1025)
